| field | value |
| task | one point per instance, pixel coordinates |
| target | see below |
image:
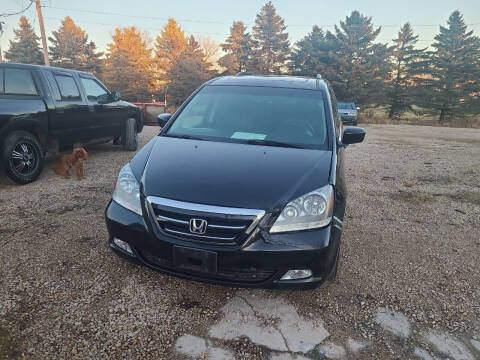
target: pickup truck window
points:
(1, 81)
(19, 82)
(53, 85)
(93, 89)
(68, 88)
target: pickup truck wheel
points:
(22, 157)
(130, 138)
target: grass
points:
(380, 116)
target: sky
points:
(212, 18)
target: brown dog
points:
(75, 160)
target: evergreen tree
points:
(71, 49)
(311, 55)
(272, 45)
(128, 65)
(188, 72)
(168, 46)
(455, 84)
(408, 65)
(25, 47)
(360, 65)
(238, 49)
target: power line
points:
(139, 27)
(136, 16)
(18, 12)
(186, 30)
(217, 22)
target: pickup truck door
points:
(108, 120)
(70, 121)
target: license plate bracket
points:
(195, 259)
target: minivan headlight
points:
(127, 190)
(310, 211)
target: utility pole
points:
(42, 32)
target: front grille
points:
(224, 274)
(225, 226)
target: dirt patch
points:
(468, 197)
(440, 179)
(414, 197)
(475, 142)
(9, 346)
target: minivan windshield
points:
(346, 105)
(254, 115)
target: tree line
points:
(443, 81)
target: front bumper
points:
(260, 263)
(349, 118)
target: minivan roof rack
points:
(244, 73)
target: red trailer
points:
(150, 111)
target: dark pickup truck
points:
(44, 108)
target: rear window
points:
(68, 88)
(346, 105)
(19, 82)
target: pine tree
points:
(128, 65)
(71, 49)
(408, 64)
(455, 84)
(168, 46)
(238, 48)
(272, 45)
(188, 72)
(311, 55)
(25, 47)
(360, 64)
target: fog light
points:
(296, 274)
(123, 245)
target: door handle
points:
(91, 108)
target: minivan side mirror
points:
(162, 119)
(353, 135)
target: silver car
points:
(348, 112)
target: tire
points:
(130, 137)
(22, 157)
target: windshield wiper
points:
(184, 136)
(272, 143)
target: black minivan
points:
(243, 186)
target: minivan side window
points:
(68, 88)
(93, 89)
(1, 81)
(19, 82)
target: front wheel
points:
(22, 157)
(130, 137)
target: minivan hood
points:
(231, 174)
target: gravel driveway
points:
(408, 285)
